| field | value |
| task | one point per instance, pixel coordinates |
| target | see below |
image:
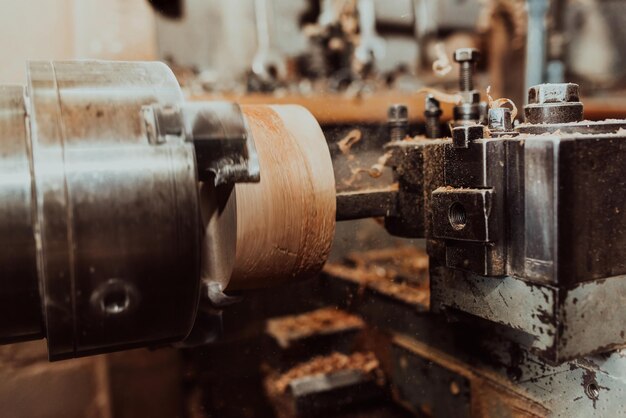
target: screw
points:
(432, 112)
(466, 57)
(398, 122)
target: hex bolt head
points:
(500, 119)
(466, 55)
(432, 107)
(432, 113)
(463, 135)
(398, 121)
(397, 113)
(553, 93)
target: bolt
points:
(398, 122)
(466, 57)
(432, 113)
(463, 135)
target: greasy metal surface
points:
(509, 301)
(361, 204)
(553, 103)
(418, 166)
(592, 318)
(428, 386)
(479, 165)
(539, 184)
(397, 122)
(115, 214)
(556, 218)
(557, 232)
(432, 116)
(582, 127)
(502, 378)
(561, 324)
(591, 207)
(20, 316)
(463, 135)
(463, 214)
(521, 383)
(460, 215)
(223, 145)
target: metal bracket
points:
(463, 214)
(225, 150)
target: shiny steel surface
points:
(117, 224)
(20, 311)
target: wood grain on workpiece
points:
(286, 222)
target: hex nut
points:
(397, 112)
(553, 93)
(500, 119)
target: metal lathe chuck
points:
(103, 241)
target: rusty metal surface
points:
(563, 324)
(503, 377)
(428, 387)
(358, 204)
(515, 303)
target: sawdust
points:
(321, 321)
(365, 362)
(398, 272)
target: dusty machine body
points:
(526, 240)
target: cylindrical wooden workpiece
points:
(280, 228)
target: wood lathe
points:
(126, 210)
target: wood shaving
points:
(493, 104)
(348, 141)
(442, 96)
(375, 171)
(441, 66)
(381, 270)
